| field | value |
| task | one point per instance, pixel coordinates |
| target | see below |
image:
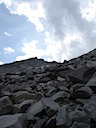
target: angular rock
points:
(51, 123)
(78, 75)
(59, 96)
(6, 105)
(51, 92)
(83, 92)
(21, 96)
(80, 125)
(90, 107)
(60, 78)
(35, 110)
(13, 121)
(92, 83)
(76, 86)
(61, 117)
(40, 123)
(49, 102)
(80, 116)
(25, 105)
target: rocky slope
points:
(38, 94)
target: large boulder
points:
(92, 82)
(5, 105)
(21, 96)
(13, 121)
(61, 117)
(83, 93)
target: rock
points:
(38, 96)
(6, 105)
(59, 96)
(60, 78)
(92, 83)
(51, 123)
(76, 86)
(35, 110)
(25, 105)
(80, 125)
(12, 88)
(13, 121)
(49, 103)
(90, 107)
(77, 75)
(40, 123)
(80, 116)
(61, 117)
(83, 92)
(91, 63)
(21, 96)
(50, 92)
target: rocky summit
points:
(39, 94)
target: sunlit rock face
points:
(39, 94)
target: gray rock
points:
(60, 78)
(6, 105)
(13, 121)
(80, 116)
(51, 123)
(92, 83)
(61, 117)
(80, 125)
(50, 92)
(90, 107)
(35, 110)
(76, 86)
(25, 105)
(91, 63)
(40, 123)
(21, 96)
(60, 96)
(83, 92)
(49, 103)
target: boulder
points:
(80, 116)
(60, 96)
(83, 92)
(80, 125)
(21, 96)
(61, 117)
(13, 121)
(35, 110)
(6, 105)
(92, 82)
(90, 107)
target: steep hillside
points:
(39, 94)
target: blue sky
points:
(53, 30)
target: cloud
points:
(1, 63)
(32, 10)
(49, 53)
(7, 34)
(69, 27)
(68, 18)
(8, 50)
(30, 50)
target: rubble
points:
(39, 94)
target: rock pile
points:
(38, 94)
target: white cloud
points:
(8, 50)
(7, 34)
(1, 63)
(70, 27)
(30, 50)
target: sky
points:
(54, 30)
